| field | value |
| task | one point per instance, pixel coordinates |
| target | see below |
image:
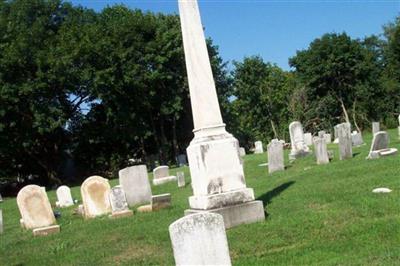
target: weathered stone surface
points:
(321, 152)
(161, 201)
(336, 134)
(200, 239)
(275, 156)
(381, 190)
(356, 138)
(242, 151)
(48, 230)
(35, 208)
(118, 199)
(219, 200)
(145, 208)
(321, 133)
(328, 138)
(258, 147)
(345, 143)
(375, 127)
(298, 146)
(308, 139)
(161, 175)
(95, 192)
(182, 159)
(379, 146)
(134, 181)
(64, 197)
(181, 179)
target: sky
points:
(274, 29)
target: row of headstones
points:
(98, 198)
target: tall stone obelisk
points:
(215, 164)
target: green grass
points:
(317, 215)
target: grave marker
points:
(275, 156)
(134, 181)
(95, 192)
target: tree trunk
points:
(354, 116)
(346, 115)
(273, 128)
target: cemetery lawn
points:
(316, 215)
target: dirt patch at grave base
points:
(135, 252)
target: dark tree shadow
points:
(356, 153)
(267, 197)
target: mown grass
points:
(317, 215)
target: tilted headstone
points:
(379, 146)
(64, 198)
(182, 160)
(95, 191)
(345, 143)
(321, 151)
(242, 151)
(308, 139)
(258, 147)
(119, 205)
(200, 239)
(181, 179)
(275, 156)
(161, 175)
(35, 210)
(298, 146)
(328, 138)
(356, 139)
(375, 127)
(134, 181)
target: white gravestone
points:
(1, 199)
(200, 239)
(258, 147)
(181, 179)
(64, 197)
(375, 127)
(356, 139)
(336, 134)
(298, 146)
(134, 181)
(321, 151)
(275, 156)
(1, 221)
(308, 139)
(161, 175)
(321, 133)
(345, 143)
(119, 205)
(216, 169)
(242, 151)
(328, 138)
(379, 146)
(35, 210)
(95, 191)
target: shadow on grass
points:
(356, 153)
(267, 197)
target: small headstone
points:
(182, 160)
(36, 211)
(321, 133)
(242, 151)
(161, 175)
(94, 192)
(379, 146)
(356, 139)
(298, 146)
(345, 143)
(321, 152)
(119, 205)
(181, 179)
(336, 134)
(161, 201)
(1, 221)
(381, 190)
(308, 139)
(275, 156)
(328, 138)
(258, 147)
(375, 127)
(134, 181)
(64, 197)
(200, 239)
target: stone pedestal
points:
(44, 231)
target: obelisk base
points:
(234, 215)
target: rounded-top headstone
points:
(64, 196)
(200, 239)
(95, 191)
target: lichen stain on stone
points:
(98, 195)
(203, 150)
(215, 186)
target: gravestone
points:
(321, 133)
(356, 139)
(1, 199)
(375, 127)
(134, 181)
(161, 175)
(321, 151)
(119, 205)
(200, 239)
(328, 138)
(336, 134)
(182, 160)
(298, 146)
(308, 139)
(345, 143)
(161, 201)
(95, 192)
(275, 156)
(242, 152)
(64, 197)
(1, 221)
(181, 179)
(258, 147)
(35, 210)
(379, 146)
